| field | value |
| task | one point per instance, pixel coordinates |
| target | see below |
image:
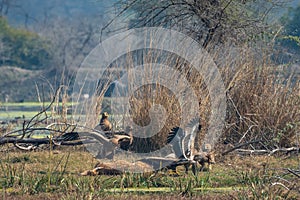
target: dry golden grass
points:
(263, 101)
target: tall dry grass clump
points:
(263, 101)
(161, 92)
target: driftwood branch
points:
(239, 146)
(238, 149)
(269, 152)
(14, 140)
(64, 138)
(38, 141)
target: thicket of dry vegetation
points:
(262, 117)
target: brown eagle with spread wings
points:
(183, 145)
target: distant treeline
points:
(22, 48)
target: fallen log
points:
(7, 140)
(39, 141)
(269, 152)
(106, 148)
(240, 145)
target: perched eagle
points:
(104, 124)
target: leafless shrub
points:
(263, 104)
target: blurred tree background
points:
(22, 48)
(290, 39)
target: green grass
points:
(32, 104)
(10, 110)
(56, 174)
(13, 114)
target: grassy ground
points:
(30, 104)
(12, 114)
(55, 175)
(11, 110)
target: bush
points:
(263, 102)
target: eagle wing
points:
(175, 138)
(158, 162)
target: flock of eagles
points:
(181, 140)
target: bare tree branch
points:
(240, 145)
